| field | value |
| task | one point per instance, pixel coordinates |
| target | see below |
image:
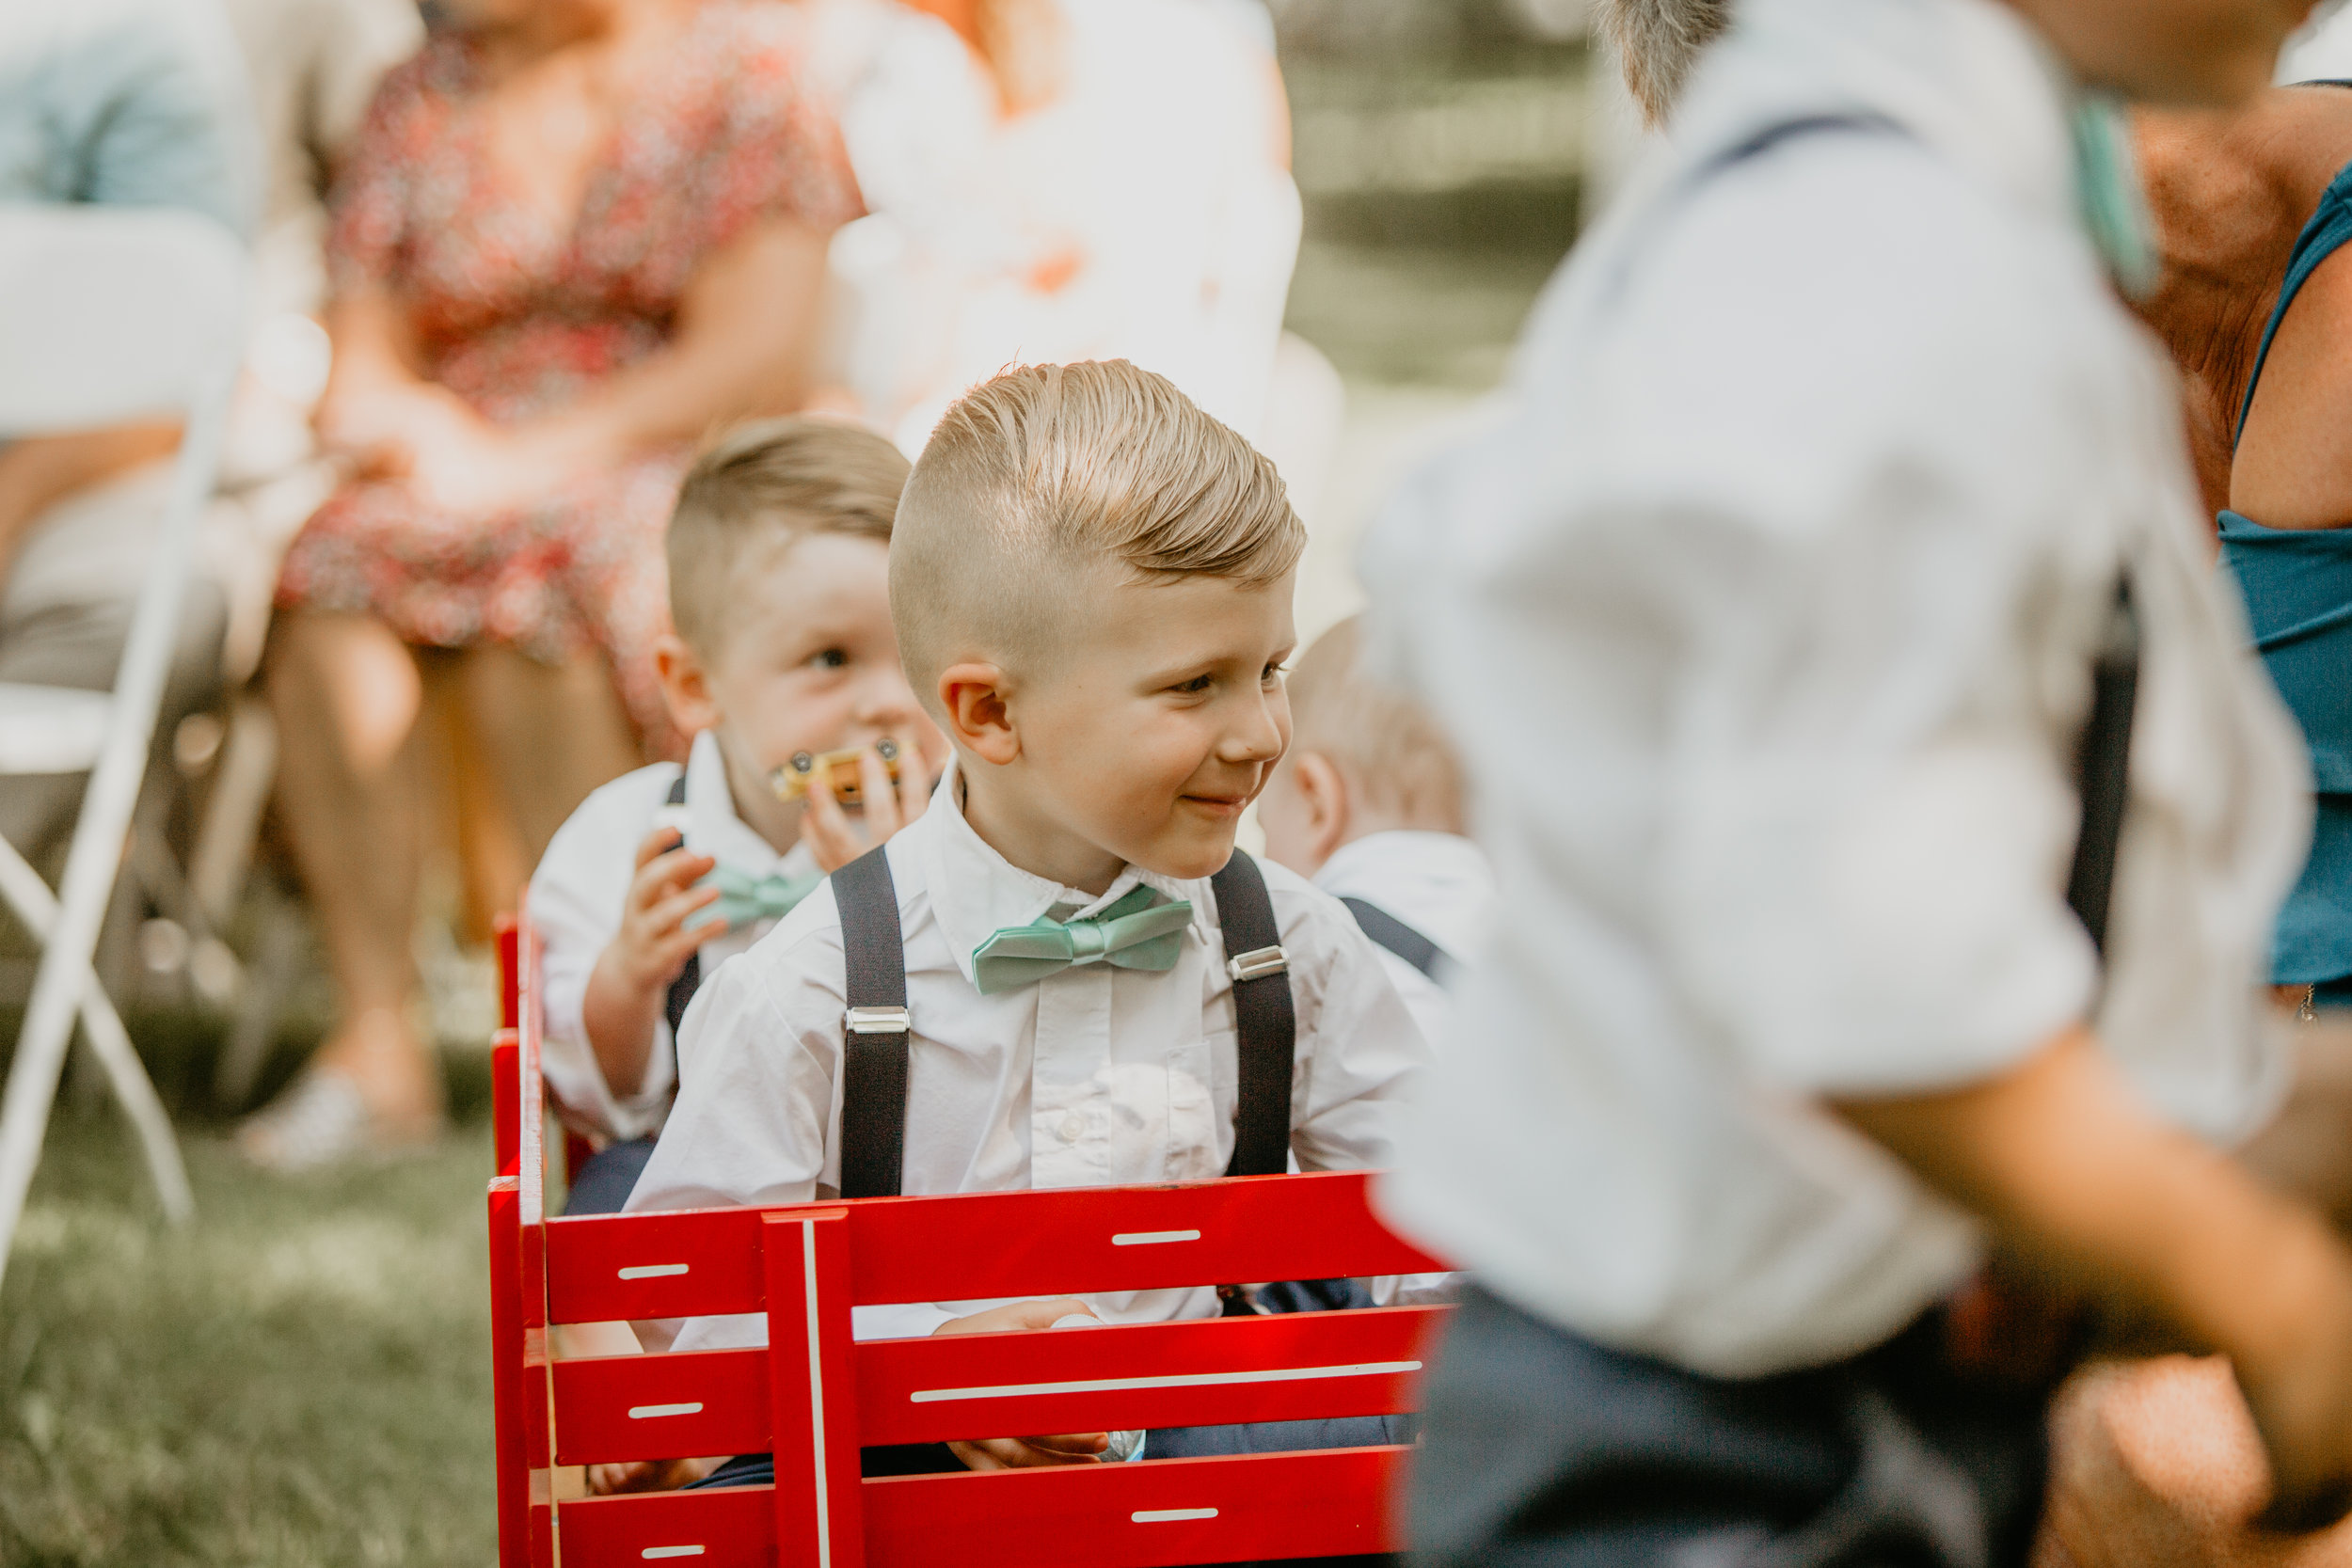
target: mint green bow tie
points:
(745, 900)
(1134, 933)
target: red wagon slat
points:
(1201, 1373)
(976, 1245)
(1185, 1510)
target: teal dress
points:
(2298, 587)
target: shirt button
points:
(1071, 1125)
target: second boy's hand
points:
(1025, 1453)
(825, 826)
(632, 973)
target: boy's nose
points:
(886, 699)
(1258, 738)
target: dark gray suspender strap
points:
(1265, 1027)
(1397, 937)
(688, 980)
(2103, 765)
(874, 1030)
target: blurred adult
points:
(1764, 615)
(2252, 212)
(138, 102)
(572, 236)
(1062, 180)
(311, 67)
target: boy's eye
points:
(832, 659)
(1197, 682)
(1274, 672)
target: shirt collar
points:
(713, 828)
(1971, 78)
(975, 892)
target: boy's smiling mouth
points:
(1218, 805)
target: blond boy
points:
(1093, 583)
(1368, 802)
(778, 556)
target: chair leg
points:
(29, 897)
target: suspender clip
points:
(1258, 965)
(875, 1020)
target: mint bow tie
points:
(1134, 933)
(745, 900)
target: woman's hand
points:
(1027, 1453)
(887, 809)
(478, 469)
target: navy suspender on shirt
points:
(1397, 937)
(874, 1030)
(689, 979)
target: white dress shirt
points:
(1441, 885)
(576, 899)
(1782, 564)
(1097, 1076)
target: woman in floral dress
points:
(574, 235)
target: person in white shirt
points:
(1368, 802)
(1785, 570)
(778, 555)
(1092, 582)
(1060, 180)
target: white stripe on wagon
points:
(1152, 1237)
(1164, 1515)
(816, 1396)
(672, 1551)
(1180, 1380)
(654, 1271)
(645, 1412)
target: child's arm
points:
(2059, 1157)
(633, 974)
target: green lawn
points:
(300, 1378)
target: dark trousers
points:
(1541, 1449)
(603, 1184)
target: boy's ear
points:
(979, 716)
(1323, 791)
(685, 685)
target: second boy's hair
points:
(1050, 471)
(758, 488)
(1383, 740)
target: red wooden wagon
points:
(814, 1397)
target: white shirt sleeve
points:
(576, 899)
(1358, 1048)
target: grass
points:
(300, 1378)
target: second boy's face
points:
(810, 662)
(1160, 720)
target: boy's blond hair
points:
(761, 487)
(1381, 738)
(1042, 477)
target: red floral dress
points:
(520, 319)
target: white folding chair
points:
(107, 315)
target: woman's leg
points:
(550, 732)
(346, 692)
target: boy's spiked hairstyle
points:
(1385, 742)
(758, 488)
(1050, 470)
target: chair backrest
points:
(111, 314)
(814, 1397)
